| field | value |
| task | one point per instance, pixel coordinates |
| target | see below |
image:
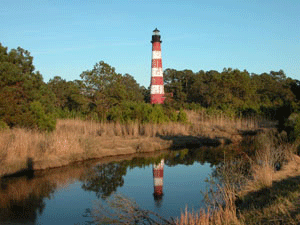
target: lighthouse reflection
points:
(158, 175)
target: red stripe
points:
(157, 99)
(157, 81)
(158, 173)
(156, 46)
(156, 63)
(158, 190)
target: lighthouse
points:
(158, 177)
(157, 80)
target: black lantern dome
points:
(156, 36)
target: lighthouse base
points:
(157, 99)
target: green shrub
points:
(3, 125)
(298, 150)
(182, 117)
(173, 116)
(297, 128)
(158, 115)
(292, 126)
(141, 112)
(41, 120)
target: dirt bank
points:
(75, 140)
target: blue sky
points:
(67, 37)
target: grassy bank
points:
(76, 140)
(260, 189)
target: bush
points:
(248, 111)
(298, 150)
(69, 114)
(182, 117)
(173, 116)
(158, 115)
(41, 120)
(292, 126)
(3, 125)
(143, 113)
(297, 127)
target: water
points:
(68, 195)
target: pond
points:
(163, 182)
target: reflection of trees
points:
(21, 200)
(212, 155)
(105, 179)
(122, 210)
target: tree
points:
(133, 90)
(69, 94)
(25, 100)
(176, 82)
(107, 88)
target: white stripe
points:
(158, 181)
(160, 165)
(157, 72)
(157, 89)
(156, 54)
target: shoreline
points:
(123, 148)
(76, 141)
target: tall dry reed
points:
(75, 139)
(222, 212)
(221, 120)
(261, 176)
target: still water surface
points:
(64, 196)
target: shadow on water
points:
(23, 194)
(27, 172)
(192, 142)
(22, 198)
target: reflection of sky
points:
(182, 186)
(67, 206)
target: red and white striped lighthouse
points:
(157, 80)
(158, 177)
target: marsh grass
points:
(254, 190)
(76, 140)
(224, 121)
(222, 211)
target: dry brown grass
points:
(223, 126)
(76, 140)
(220, 214)
(225, 122)
(268, 196)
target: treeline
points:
(103, 94)
(233, 90)
(272, 95)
